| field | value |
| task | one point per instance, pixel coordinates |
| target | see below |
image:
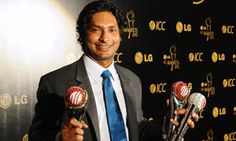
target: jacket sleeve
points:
(49, 110)
(148, 130)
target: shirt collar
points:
(95, 70)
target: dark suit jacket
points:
(50, 109)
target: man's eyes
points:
(94, 29)
(113, 30)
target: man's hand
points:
(190, 122)
(182, 111)
(73, 130)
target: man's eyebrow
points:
(95, 25)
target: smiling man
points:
(114, 110)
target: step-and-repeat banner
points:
(166, 41)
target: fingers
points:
(195, 117)
(191, 122)
(84, 125)
(180, 111)
(73, 130)
(177, 112)
(73, 122)
(174, 122)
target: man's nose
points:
(105, 36)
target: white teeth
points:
(103, 46)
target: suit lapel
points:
(82, 77)
(128, 95)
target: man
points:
(100, 27)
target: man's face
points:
(103, 38)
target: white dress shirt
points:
(94, 71)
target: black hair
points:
(84, 19)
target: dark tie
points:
(115, 120)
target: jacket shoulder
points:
(127, 72)
(63, 71)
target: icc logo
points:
(227, 29)
(230, 136)
(117, 57)
(195, 57)
(157, 88)
(228, 82)
(158, 25)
